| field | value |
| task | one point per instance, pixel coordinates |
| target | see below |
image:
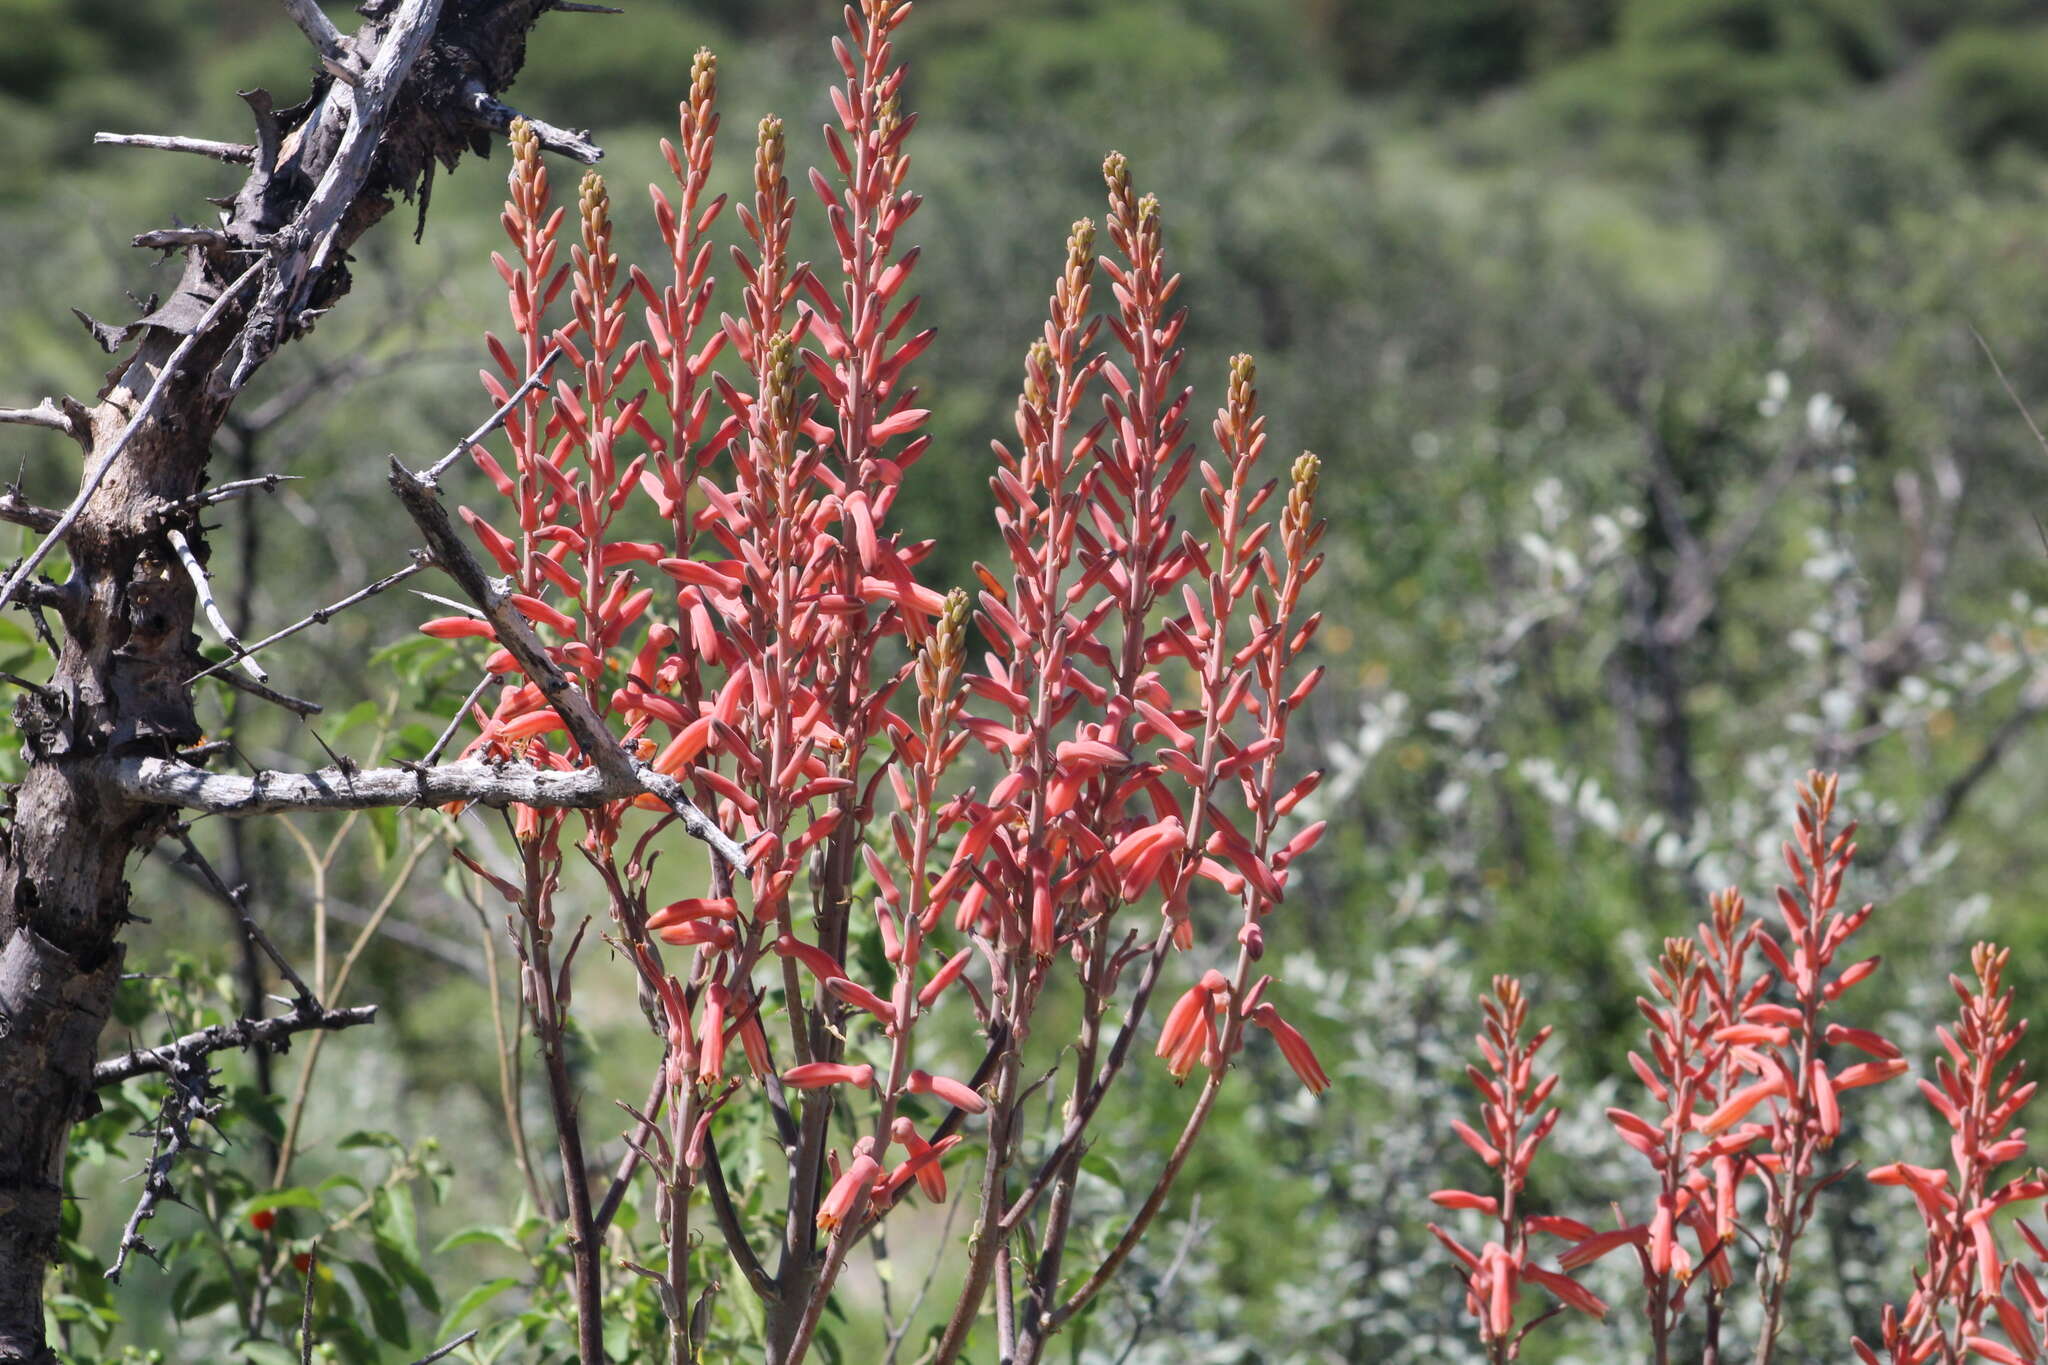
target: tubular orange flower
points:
(699, 907)
(849, 1194)
(1294, 1047)
(947, 1089)
(814, 1075)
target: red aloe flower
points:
(771, 651)
(1965, 1283)
(1742, 1084)
(1516, 1123)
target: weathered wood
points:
(319, 177)
(233, 153)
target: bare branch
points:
(433, 755)
(2026, 712)
(166, 782)
(143, 412)
(189, 1099)
(491, 112)
(298, 706)
(1146, 1211)
(232, 895)
(47, 413)
(2010, 392)
(318, 618)
(1077, 1122)
(623, 775)
(15, 509)
(734, 1230)
(450, 1349)
(226, 492)
(576, 7)
(306, 1305)
(242, 1034)
(203, 586)
(233, 153)
(497, 419)
(164, 239)
(299, 248)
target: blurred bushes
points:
(1507, 264)
(1991, 86)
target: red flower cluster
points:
(1746, 1089)
(1964, 1280)
(711, 551)
(1515, 1121)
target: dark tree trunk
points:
(119, 689)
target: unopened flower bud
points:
(768, 155)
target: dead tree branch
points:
(318, 618)
(233, 153)
(319, 174)
(273, 1033)
(49, 413)
(144, 411)
(490, 112)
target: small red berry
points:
(263, 1220)
(302, 1262)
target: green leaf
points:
(417, 738)
(384, 826)
(371, 1137)
(386, 1310)
(260, 1109)
(361, 713)
(265, 1353)
(195, 1296)
(473, 1300)
(472, 1236)
(292, 1197)
(1101, 1167)
(391, 1214)
(413, 656)
(398, 1243)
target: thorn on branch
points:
(232, 153)
(269, 137)
(226, 492)
(490, 112)
(45, 694)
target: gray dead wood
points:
(318, 176)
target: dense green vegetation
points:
(1647, 346)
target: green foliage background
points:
(1542, 280)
